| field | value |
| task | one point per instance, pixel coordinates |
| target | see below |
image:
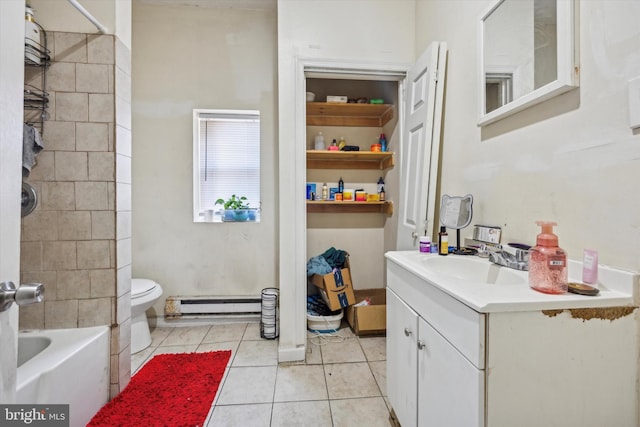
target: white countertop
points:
(615, 285)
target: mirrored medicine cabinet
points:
(527, 54)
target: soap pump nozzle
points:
(546, 236)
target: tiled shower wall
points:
(77, 241)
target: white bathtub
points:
(67, 366)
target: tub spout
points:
(29, 293)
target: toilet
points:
(144, 293)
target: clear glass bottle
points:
(547, 262)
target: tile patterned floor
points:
(341, 383)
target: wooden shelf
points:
(336, 114)
(325, 159)
(349, 207)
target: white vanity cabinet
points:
(453, 364)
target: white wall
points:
(572, 159)
(186, 58)
(354, 31)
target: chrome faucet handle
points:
(29, 293)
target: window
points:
(226, 159)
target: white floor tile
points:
(375, 348)
(248, 385)
(348, 350)
(300, 382)
(370, 412)
(301, 414)
(349, 380)
(225, 332)
(186, 335)
(257, 415)
(257, 353)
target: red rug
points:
(173, 390)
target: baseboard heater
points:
(177, 306)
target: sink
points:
(473, 270)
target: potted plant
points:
(236, 209)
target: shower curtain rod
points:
(89, 16)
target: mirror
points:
(527, 55)
(456, 212)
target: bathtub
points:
(67, 366)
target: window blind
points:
(229, 160)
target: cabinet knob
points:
(407, 331)
(421, 345)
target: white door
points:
(420, 146)
(11, 90)
(402, 359)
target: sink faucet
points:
(507, 256)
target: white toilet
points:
(144, 293)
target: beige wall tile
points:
(123, 113)
(123, 197)
(103, 225)
(123, 309)
(101, 107)
(48, 278)
(123, 141)
(44, 169)
(30, 256)
(92, 136)
(40, 225)
(124, 280)
(72, 107)
(94, 312)
(111, 196)
(33, 77)
(94, 254)
(52, 105)
(70, 47)
(31, 316)
(100, 49)
(91, 195)
(74, 225)
(123, 225)
(123, 85)
(60, 136)
(124, 365)
(102, 166)
(73, 284)
(71, 166)
(103, 283)
(59, 256)
(61, 314)
(58, 196)
(123, 169)
(123, 254)
(61, 76)
(92, 78)
(113, 368)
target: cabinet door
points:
(402, 382)
(450, 388)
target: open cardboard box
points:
(369, 319)
(336, 290)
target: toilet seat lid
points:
(140, 287)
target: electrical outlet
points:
(634, 103)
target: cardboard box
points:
(336, 288)
(369, 319)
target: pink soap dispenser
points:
(547, 262)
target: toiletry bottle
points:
(341, 186)
(425, 244)
(383, 142)
(590, 267)
(443, 241)
(325, 192)
(319, 142)
(342, 143)
(380, 184)
(547, 262)
(381, 195)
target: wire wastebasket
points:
(269, 327)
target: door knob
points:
(414, 235)
(407, 331)
(421, 345)
(29, 293)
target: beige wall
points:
(186, 58)
(572, 159)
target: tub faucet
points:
(29, 293)
(507, 256)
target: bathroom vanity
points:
(470, 344)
